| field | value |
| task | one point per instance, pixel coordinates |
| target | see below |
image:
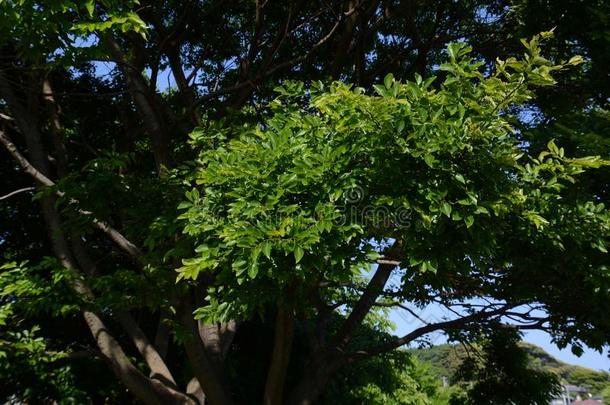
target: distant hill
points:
(444, 360)
(577, 375)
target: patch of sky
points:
(484, 15)
(406, 321)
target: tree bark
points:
(314, 379)
(363, 306)
(346, 38)
(158, 368)
(61, 154)
(280, 357)
(162, 334)
(204, 367)
(186, 92)
(147, 390)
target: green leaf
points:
(536, 219)
(90, 7)
(430, 160)
(388, 80)
(576, 60)
(253, 270)
(446, 209)
(267, 249)
(298, 254)
(418, 79)
(382, 91)
(428, 265)
(456, 49)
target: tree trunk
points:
(282, 346)
(312, 383)
(204, 367)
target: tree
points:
(420, 184)
(502, 374)
(606, 394)
(594, 380)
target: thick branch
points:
(217, 338)
(158, 368)
(61, 154)
(364, 304)
(162, 334)
(148, 391)
(145, 103)
(346, 37)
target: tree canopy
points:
(220, 202)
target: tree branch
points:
(271, 71)
(147, 390)
(144, 100)
(12, 193)
(125, 244)
(158, 368)
(203, 366)
(419, 332)
(366, 301)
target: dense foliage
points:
(454, 363)
(503, 375)
(224, 200)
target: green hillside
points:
(445, 359)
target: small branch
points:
(6, 117)
(419, 332)
(21, 190)
(271, 71)
(401, 306)
(388, 261)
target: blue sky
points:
(590, 358)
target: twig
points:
(12, 193)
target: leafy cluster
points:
(279, 206)
(396, 379)
(502, 374)
(29, 366)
